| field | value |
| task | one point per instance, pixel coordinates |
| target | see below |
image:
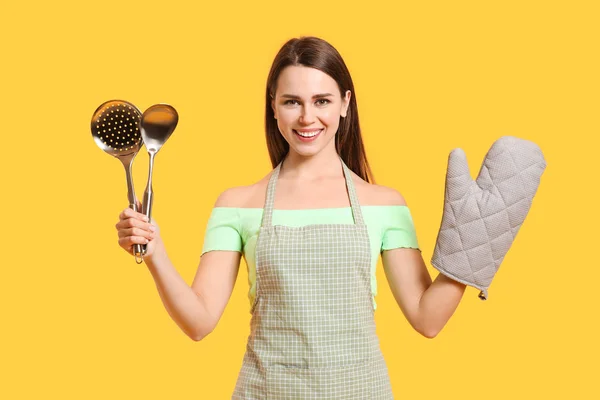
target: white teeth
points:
(307, 135)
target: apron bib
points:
(312, 331)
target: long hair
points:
(316, 53)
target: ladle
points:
(157, 124)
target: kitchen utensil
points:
(116, 130)
(157, 124)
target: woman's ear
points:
(273, 107)
(346, 103)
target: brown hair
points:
(316, 53)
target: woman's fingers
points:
(124, 232)
(133, 228)
(129, 237)
(129, 213)
(128, 242)
(134, 223)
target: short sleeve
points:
(399, 230)
(223, 230)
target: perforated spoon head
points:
(116, 128)
(157, 125)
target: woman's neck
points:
(313, 168)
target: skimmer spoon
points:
(116, 130)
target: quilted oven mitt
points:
(482, 217)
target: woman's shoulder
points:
(377, 195)
(249, 196)
(253, 195)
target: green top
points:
(236, 229)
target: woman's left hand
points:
(481, 218)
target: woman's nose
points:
(307, 116)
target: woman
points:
(311, 231)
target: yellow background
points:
(80, 320)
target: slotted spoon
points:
(116, 130)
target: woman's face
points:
(308, 107)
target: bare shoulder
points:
(244, 196)
(377, 195)
(232, 197)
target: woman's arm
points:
(427, 306)
(196, 309)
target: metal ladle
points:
(157, 124)
(116, 130)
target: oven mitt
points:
(482, 217)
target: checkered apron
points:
(312, 330)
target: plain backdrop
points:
(81, 320)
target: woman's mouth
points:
(308, 136)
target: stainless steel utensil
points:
(116, 130)
(157, 124)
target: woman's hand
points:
(482, 217)
(133, 228)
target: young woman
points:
(311, 232)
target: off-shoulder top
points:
(236, 229)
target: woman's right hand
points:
(133, 228)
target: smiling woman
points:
(311, 231)
(309, 88)
(305, 116)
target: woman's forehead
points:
(305, 81)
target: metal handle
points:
(148, 194)
(137, 248)
(147, 208)
(127, 163)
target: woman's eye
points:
(290, 102)
(323, 102)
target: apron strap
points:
(267, 218)
(356, 211)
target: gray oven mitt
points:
(481, 218)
